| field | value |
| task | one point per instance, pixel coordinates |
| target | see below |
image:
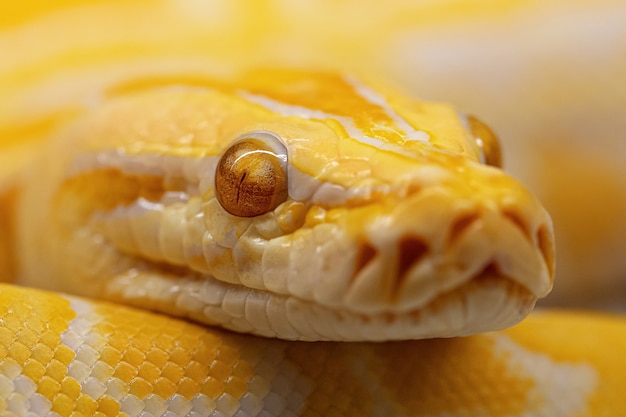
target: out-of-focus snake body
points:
(296, 205)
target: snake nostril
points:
(461, 224)
(411, 249)
(546, 246)
(365, 255)
(519, 221)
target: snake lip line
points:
(202, 298)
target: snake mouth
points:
(488, 301)
(474, 244)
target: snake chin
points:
(488, 301)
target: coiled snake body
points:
(291, 205)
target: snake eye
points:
(486, 141)
(251, 176)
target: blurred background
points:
(548, 76)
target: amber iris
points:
(251, 177)
(487, 141)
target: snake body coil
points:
(64, 356)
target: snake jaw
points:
(401, 256)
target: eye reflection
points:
(486, 140)
(251, 176)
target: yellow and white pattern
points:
(64, 356)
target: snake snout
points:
(433, 243)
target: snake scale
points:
(257, 204)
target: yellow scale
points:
(139, 354)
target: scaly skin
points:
(81, 358)
(389, 226)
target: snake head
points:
(288, 204)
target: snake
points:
(283, 242)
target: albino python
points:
(291, 205)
